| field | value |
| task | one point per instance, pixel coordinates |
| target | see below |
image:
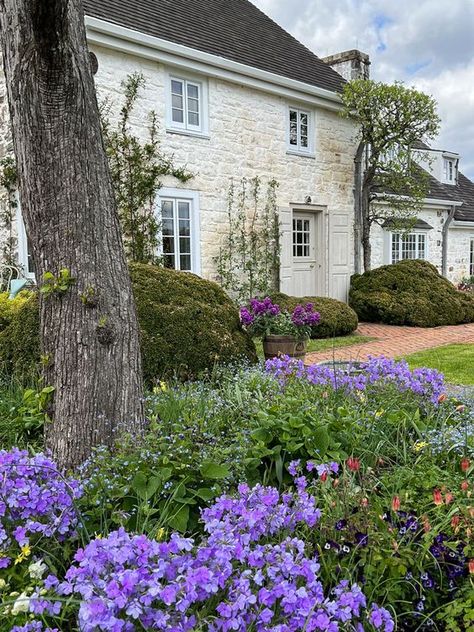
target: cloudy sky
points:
(425, 43)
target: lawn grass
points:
(455, 361)
(324, 344)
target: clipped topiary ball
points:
(187, 325)
(337, 318)
(410, 292)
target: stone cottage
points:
(237, 96)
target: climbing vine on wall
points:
(8, 182)
(137, 167)
(248, 263)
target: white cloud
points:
(427, 43)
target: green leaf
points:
(214, 470)
(318, 443)
(139, 484)
(179, 519)
(205, 494)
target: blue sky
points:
(425, 43)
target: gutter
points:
(125, 40)
(444, 233)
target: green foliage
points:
(19, 336)
(137, 167)
(8, 180)
(187, 324)
(337, 318)
(57, 285)
(410, 292)
(391, 119)
(249, 259)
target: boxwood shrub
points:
(337, 318)
(410, 292)
(187, 324)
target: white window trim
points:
(193, 197)
(22, 243)
(294, 150)
(173, 127)
(388, 244)
(449, 161)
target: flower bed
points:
(356, 512)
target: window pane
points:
(193, 118)
(168, 261)
(185, 262)
(167, 209)
(183, 210)
(177, 115)
(176, 87)
(471, 259)
(177, 101)
(167, 226)
(293, 127)
(193, 105)
(29, 263)
(193, 91)
(184, 228)
(304, 141)
(168, 245)
(421, 246)
(185, 245)
(303, 118)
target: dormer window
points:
(449, 170)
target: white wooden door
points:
(304, 254)
(340, 255)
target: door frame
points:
(320, 213)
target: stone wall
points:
(459, 253)
(247, 137)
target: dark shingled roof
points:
(463, 192)
(233, 29)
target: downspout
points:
(445, 232)
(358, 208)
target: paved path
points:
(392, 341)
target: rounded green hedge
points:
(337, 318)
(187, 325)
(410, 292)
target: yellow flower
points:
(419, 445)
(25, 552)
(379, 413)
(160, 533)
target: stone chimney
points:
(351, 64)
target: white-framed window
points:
(471, 257)
(449, 170)
(407, 246)
(300, 130)
(187, 105)
(301, 237)
(25, 257)
(179, 220)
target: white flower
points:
(37, 569)
(22, 604)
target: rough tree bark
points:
(89, 333)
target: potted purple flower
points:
(282, 333)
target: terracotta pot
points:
(274, 346)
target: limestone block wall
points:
(247, 137)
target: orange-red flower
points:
(464, 486)
(437, 497)
(426, 524)
(396, 503)
(460, 408)
(442, 398)
(471, 566)
(353, 464)
(448, 498)
(465, 463)
(323, 476)
(455, 521)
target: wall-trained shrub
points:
(410, 292)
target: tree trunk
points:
(89, 332)
(366, 245)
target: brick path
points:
(392, 341)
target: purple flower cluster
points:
(35, 500)
(248, 572)
(258, 308)
(376, 372)
(305, 316)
